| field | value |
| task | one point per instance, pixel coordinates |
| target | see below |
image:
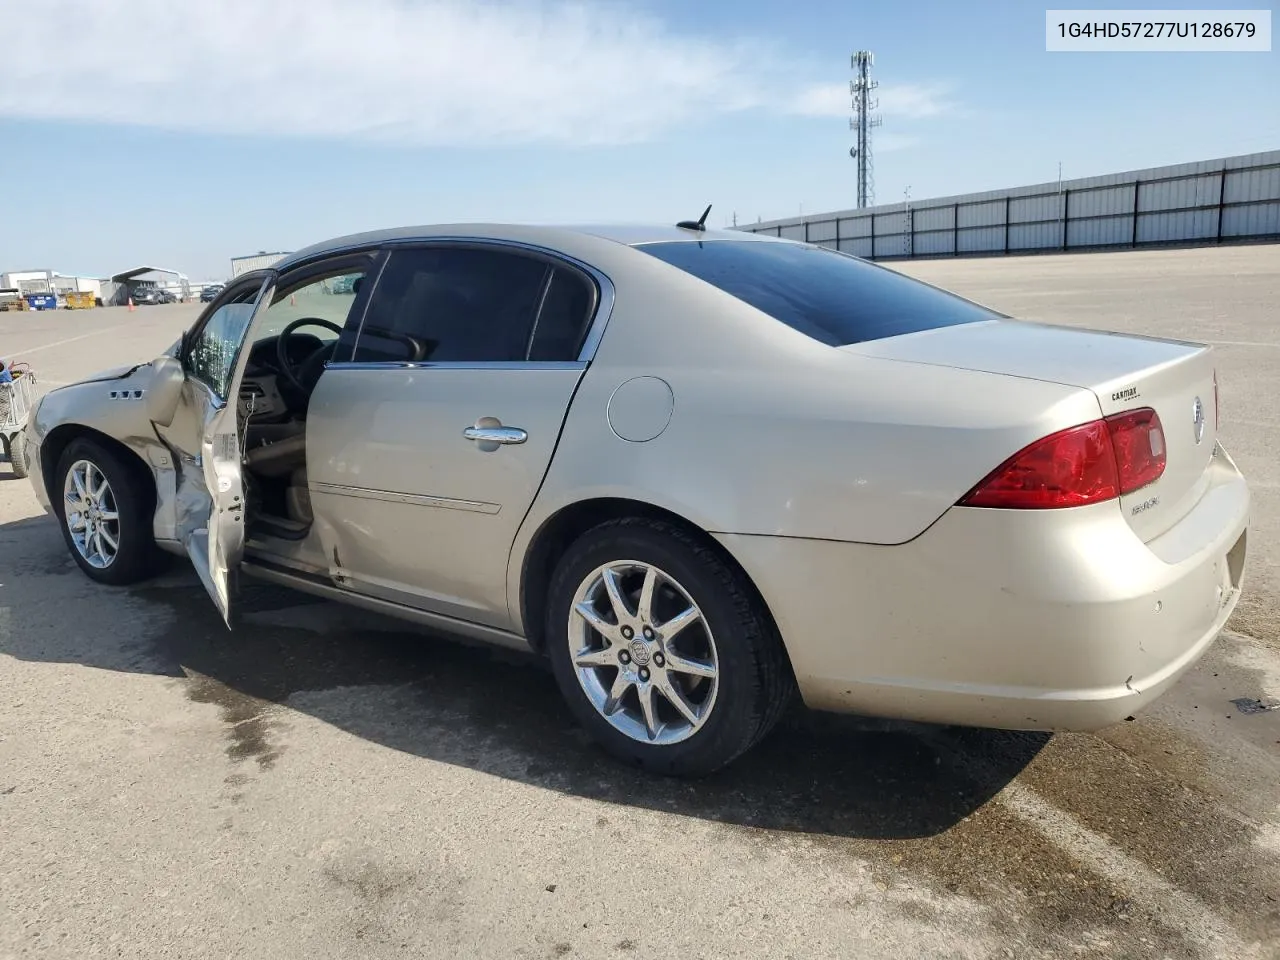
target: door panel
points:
(210, 494)
(204, 439)
(408, 506)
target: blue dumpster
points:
(42, 301)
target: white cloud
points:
(428, 72)
(908, 101)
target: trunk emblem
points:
(1197, 419)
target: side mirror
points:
(165, 390)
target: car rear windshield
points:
(834, 298)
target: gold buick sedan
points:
(699, 471)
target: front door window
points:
(211, 355)
(213, 347)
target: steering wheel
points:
(304, 377)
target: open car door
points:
(216, 547)
(202, 426)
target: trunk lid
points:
(1125, 372)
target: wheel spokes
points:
(671, 693)
(613, 589)
(648, 709)
(645, 606)
(78, 481)
(621, 685)
(96, 489)
(694, 668)
(597, 623)
(596, 658)
(613, 650)
(679, 622)
(91, 514)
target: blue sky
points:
(183, 134)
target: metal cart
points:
(17, 400)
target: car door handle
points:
(498, 434)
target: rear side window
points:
(828, 296)
(562, 322)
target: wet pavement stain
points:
(1179, 755)
(370, 880)
(1197, 845)
(1253, 705)
(248, 726)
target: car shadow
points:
(478, 707)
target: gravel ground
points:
(323, 783)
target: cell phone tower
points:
(863, 120)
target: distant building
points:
(255, 261)
(49, 281)
(28, 281)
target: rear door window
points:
(567, 308)
(829, 296)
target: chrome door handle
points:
(497, 434)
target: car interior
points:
(281, 372)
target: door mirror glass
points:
(165, 390)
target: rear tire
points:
(624, 674)
(129, 495)
(16, 448)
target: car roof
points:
(536, 234)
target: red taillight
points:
(1138, 440)
(1078, 466)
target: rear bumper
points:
(1040, 620)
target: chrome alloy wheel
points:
(91, 514)
(643, 652)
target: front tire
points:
(105, 506)
(662, 649)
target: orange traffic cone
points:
(131, 306)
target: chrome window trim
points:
(457, 365)
(607, 297)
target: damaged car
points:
(699, 471)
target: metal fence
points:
(1214, 201)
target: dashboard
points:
(260, 398)
(265, 394)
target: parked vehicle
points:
(144, 296)
(210, 293)
(697, 470)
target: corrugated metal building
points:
(255, 261)
(1235, 198)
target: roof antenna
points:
(700, 224)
